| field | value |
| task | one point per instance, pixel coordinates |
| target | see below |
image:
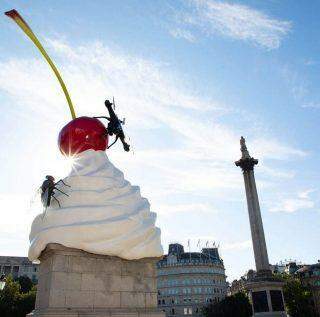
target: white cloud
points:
(305, 194)
(183, 34)
(297, 84)
(232, 20)
(277, 173)
(271, 149)
(312, 105)
(240, 245)
(289, 205)
(15, 223)
(198, 208)
(310, 62)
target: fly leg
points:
(126, 146)
(62, 183)
(117, 137)
(59, 191)
(56, 200)
(44, 212)
(102, 118)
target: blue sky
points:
(190, 77)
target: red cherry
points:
(82, 134)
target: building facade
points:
(240, 285)
(18, 266)
(310, 276)
(187, 281)
(289, 267)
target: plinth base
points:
(95, 313)
(266, 296)
(74, 283)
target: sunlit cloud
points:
(236, 21)
(301, 201)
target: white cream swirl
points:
(103, 214)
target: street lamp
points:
(2, 282)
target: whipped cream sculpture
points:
(104, 213)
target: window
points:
(159, 301)
(7, 270)
(185, 311)
(172, 311)
(163, 302)
(190, 311)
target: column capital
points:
(246, 162)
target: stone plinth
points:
(76, 283)
(266, 297)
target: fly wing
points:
(45, 198)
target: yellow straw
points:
(27, 30)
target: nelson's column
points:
(265, 291)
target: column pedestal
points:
(75, 283)
(266, 296)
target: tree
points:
(9, 297)
(25, 284)
(13, 302)
(26, 302)
(235, 305)
(298, 298)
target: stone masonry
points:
(77, 283)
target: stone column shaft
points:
(257, 232)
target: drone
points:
(115, 126)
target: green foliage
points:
(235, 305)
(298, 298)
(14, 302)
(25, 284)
